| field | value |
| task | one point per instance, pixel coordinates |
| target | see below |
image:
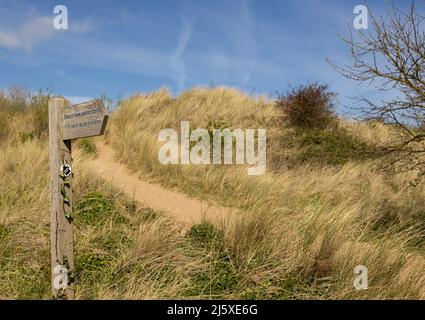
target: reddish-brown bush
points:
(309, 106)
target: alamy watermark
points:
(60, 20)
(194, 147)
(361, 281)
(60, 282)
(361, 19)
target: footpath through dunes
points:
(182, 208)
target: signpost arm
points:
(62, 252)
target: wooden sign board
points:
(84, 120)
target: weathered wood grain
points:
(61, 241)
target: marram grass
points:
(299, 234)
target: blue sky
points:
(121, 47)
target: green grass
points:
(218, 278)
(25, 272)
(205, 235)
(91, 263)
(93, 208)
(330, 147)
(303, 232)
(224, 275)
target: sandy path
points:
(178, 205)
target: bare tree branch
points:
(391, 57)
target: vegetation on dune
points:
(299, 235)
(309, 107)
(123, 250)
(23, 115)
(329, 147)
(327, 209)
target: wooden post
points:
(65, 124)
(61, 241)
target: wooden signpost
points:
(67, 122)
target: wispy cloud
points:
(232, 53)
(35, 31)
(28, 34)
(176, 60)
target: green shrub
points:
(88, 146)
(206, 235)
(25, 136)
(147, 214)
(213, 124)
(91, 262)
(92, 269)
(309, 106)
(93, 208)
(330, 147)
(112, 242)
(218, 278)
